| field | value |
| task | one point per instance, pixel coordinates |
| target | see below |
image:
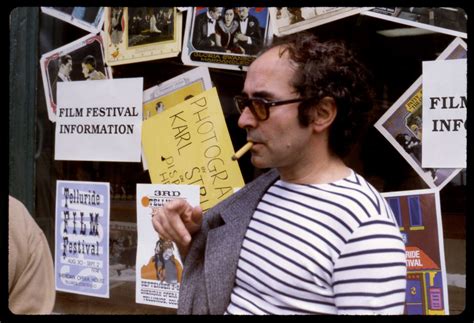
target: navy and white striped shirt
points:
(328, 248)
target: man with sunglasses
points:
(310, 235)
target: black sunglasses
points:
(259, 106)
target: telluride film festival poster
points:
(159, 266)
(82, 238)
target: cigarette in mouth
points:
(242, 150)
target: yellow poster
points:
(190, 144)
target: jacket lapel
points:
(224, 243)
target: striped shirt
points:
(328, 248)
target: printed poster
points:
(173, 91)
(190, 144)
(104, 125)
(123, 252)
(418, 214)
(138, 34)
(444, 113)
(87, 18)
(159, 265)
(446, 20)
(402, 124)
(226, 42)
(65, 64)
(289, 20)
(82, 238)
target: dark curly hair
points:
(329, 68)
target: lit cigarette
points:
(242, 150)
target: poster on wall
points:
(123, 251)
(104, 125)
(418, 214)
(402, 124)
(173, 91)
(80, 60)
(226, 38)
(87, 18)
(190, 144)
(138, 34)
(447, 20)
(82, 238)
(159, 265)
(289, 20)
(444, 127)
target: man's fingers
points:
(171, 221)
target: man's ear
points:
(324, 114)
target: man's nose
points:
(247, 119)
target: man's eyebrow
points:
(259, 94)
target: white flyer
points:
(100, 120)
(159, 266)
(444, 127)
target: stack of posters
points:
(190, 144)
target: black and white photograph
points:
(225, 37)
(137, 34)
(80, 60)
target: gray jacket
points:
(211, 264)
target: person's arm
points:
(369, 276)
(30, 264)
(178, 221)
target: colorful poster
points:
(227, 38)
(138, 34)
(444, 127)
(159, 265)
(418, 214)
(80, 60)
(289, 20)
(82, 238)
(190, 144)
(87, 18)
(104, 125)
(402, 124)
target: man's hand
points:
(177, 221)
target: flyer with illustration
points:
(418, 215)
(82, 238)
(158, 264)
(402, 124)
(190, 144)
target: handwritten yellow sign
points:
(190, 144)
